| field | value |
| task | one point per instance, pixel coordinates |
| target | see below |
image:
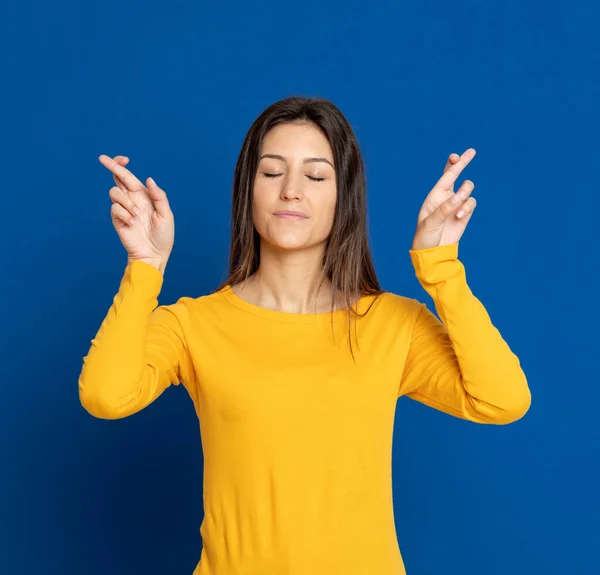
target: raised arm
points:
(139, 350)
(461, 365)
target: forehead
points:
(296, 140)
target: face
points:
(295, 174)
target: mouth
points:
(290, 215)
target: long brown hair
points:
(347, 262)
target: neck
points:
(289, 281)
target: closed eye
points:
(277, 175)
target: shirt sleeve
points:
(139, 350)
(461, 365)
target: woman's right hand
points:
(148, 235)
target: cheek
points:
(326, 210)
(259, 206)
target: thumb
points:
(159, 197)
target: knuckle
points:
(469, 185)
(115, 192)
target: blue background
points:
(175, 88)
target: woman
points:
(295, 363)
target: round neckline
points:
(284, 316)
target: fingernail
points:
(460, 214)
(152, 181)
(136, 211)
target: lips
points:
(291, 215)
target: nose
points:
(291, 189)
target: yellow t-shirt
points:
(296, 435)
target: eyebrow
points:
(306, 160)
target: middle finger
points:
(128, 179)
(449, 177)
(122, 160)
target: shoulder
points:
(203, 302)
(189, 308)
(393, 302)
(389, 317)
(388, 305)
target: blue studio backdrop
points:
(175, 87)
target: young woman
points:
(295, 363)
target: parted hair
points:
(347, 261)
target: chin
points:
(290, 242)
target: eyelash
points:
(276, 175)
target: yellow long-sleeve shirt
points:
(296, 436)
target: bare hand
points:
(140, 214)
(444, 215)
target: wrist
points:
(159, 264)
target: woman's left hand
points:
(445, 214)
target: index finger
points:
(449, 163)
(122, 173)
(450, 175)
